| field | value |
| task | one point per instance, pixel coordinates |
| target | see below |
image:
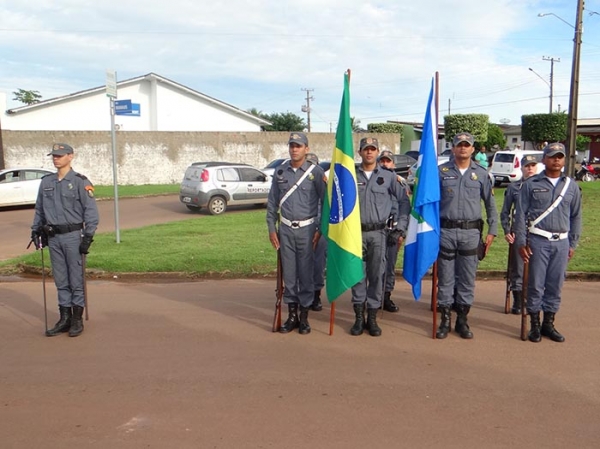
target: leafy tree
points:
(27, 96)
(495, 137)
(476, 124)
(281, 121)
(355, 123)
(390, 128)
(539, 128)
(581, 142)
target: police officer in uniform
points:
(528, 167)
(378, 193)
(397, 225)
(463, 185)
(66, 213)
(295, 202)
(547, 228)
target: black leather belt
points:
(461, 224)
(52, 229)
(372, 227)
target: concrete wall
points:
(162, 157)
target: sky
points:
(262, 53)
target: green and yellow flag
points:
(341, 214)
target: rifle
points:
(85, 296)
(278, 294)
(524, 303)
(508, 268)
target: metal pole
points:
(114, 157)
(574, 93)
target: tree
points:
(280, 121)
(27, 96)
(581, 142)
(475, 124)
(539, 128)
(355, 123)
(495, 137)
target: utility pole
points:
(306, 107)
(449, 104)
(574, 93)
(552, 60)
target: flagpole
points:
(434, 277)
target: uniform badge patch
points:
(70, 186)
(90, 191)
(445, 169)
(311, 177)
(474, 176)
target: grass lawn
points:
(237, 245)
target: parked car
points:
(270, 169)
(217, 185)
(506, 165)
(413, 153)
(19, 186)
(402, 163)
(444, 156)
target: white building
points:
(159, 105)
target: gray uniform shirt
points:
(510, 200)
(68, 201)
(537, 194)
(377, 196)
(304, 203)
(461, 195)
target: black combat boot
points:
(316, 304)
(292, 322)
(63, 324)
(359, 324)
(444, 327)
(76, 322)
(548, 329)
(372, 327)
(462, 327)
(388, 304)
(517, 302)
(534, 333)
(304, 326)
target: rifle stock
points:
(278, 295)
(508, 268)
(524, 304)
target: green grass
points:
(237, 245)
(103, 192)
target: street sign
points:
(122, 107)
(111, 84)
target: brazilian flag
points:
(341, 214)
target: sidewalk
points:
(195, 365)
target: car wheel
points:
(588, 177)
(193, 208)
(217, 205)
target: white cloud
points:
(260, 53)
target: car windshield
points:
(275, 163)
(504, 157)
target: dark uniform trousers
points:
(67, 269)
(391, 257)
(457, 265)
(547, 268)
(373, 247)
(297, 263)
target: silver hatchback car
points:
(216, 185)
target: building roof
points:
(148, 77)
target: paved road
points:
(195, 365)
(133, 213)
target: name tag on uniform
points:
(282, 181)
(48, 188)
(450, 177)
(540, 190)
(361, 183)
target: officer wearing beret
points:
(463, 185)
(547, 228)
(529, 168)
(66, 213)
(295, 203)
(397, 225)
(379, 192)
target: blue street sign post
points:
(126, 107)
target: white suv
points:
(215, 185)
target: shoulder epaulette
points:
(79, 175)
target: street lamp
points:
(574, 91)
(549, 85)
